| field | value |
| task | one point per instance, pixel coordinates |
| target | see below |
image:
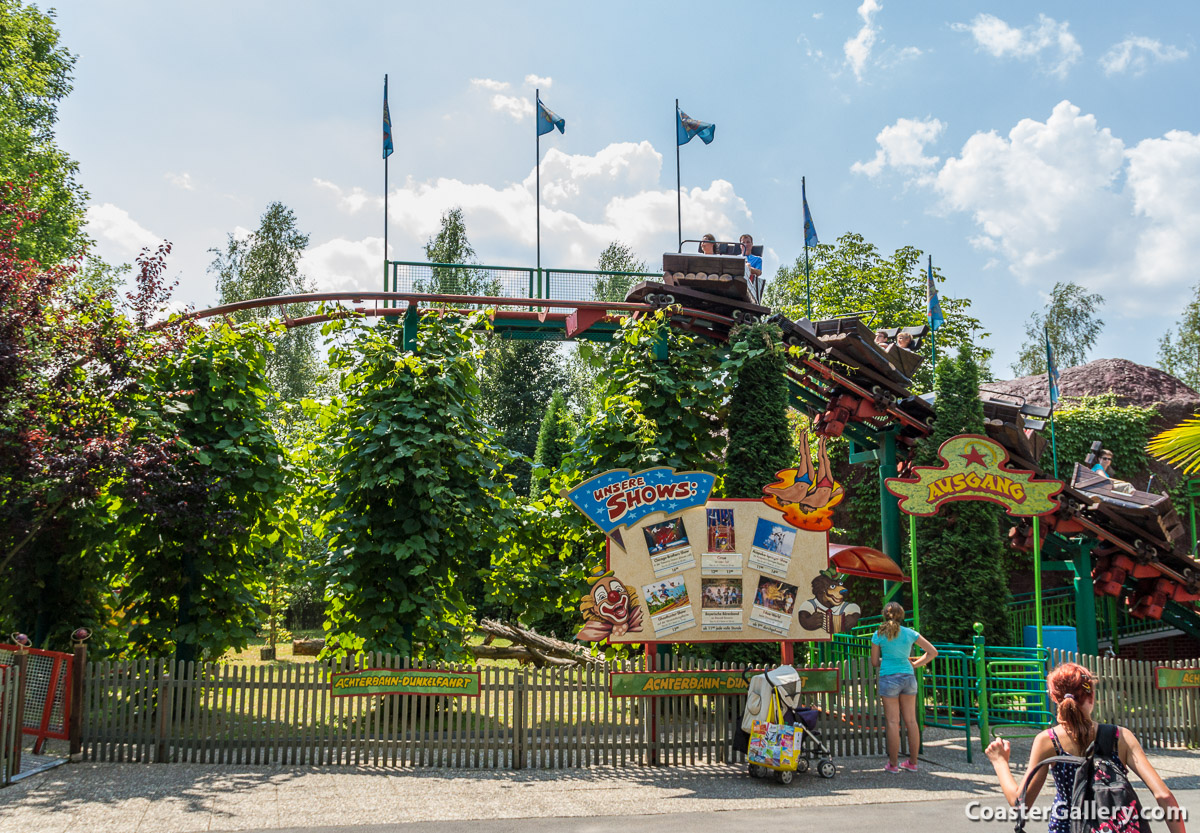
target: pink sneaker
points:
(891, 767)
(911, 767)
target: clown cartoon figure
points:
(608, 609)
(828, 609)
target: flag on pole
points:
(547, 120)
(933, 303)
(1051, 370)
(687, 127)
(810, 231)
(387, 124)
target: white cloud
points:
(902, 146)
(538, 81)
(489, 84)
(1049, 42)
(1135, 54)
(1164, 181)
(110, 224)
(587, 202)
(858, 48)
(517, 107)
(350, 202)
(818, 15)
(183, 180)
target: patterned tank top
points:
(1064, 780)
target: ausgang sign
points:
(974, 468)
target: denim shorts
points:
(893, 685)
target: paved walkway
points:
(179, 798)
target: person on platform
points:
(753, 261)
(904, 339)
(708, 245)
(890, 648)
(1104, 464)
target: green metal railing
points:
(1058, 608)
(518, 282)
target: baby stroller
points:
(777, 731)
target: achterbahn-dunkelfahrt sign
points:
(371, 681)
(692, 683)
(974, 467)
(1166, 677)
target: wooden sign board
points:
(728, 571)
(693, 683)
(1166, 677)
(432, 683)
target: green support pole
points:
(889, 505)
(662, 350)
(1085, 602)
(1037, 578)
(912, 570)
(981, 689)
(412, 320)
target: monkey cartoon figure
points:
(828, 609)
(608, 609)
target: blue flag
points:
(933, 303)
(387, 124)
(810, 231)
(1051, 370)
(686, 128)
(547, 120)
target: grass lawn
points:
(284, 657)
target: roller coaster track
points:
(845, 392)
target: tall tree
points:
(760, 441)
(264, 264)
(962, 560)
(35, 75)
(451, 246)
(555, 438)
(618, 258)
(1179, 348)
(414, 497)
(1070, 318)
(852, 276)
(517, 379)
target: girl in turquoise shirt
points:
(890, 648)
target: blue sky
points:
(1018, 143)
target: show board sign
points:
(431, 683)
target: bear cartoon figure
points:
(828, 609)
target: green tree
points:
(1070, 318)
(555, 438)
(616, 259)
(451, 246)
(852, 276)
(1179, 348)
(760, 441)
(204, 521)
(414, 499)
(266, 264)
(35, 75)
(962, 558)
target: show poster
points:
(669, 605)
(721, 604)
(720, 531)
(667, 543)
(774, 602)
(772, 550)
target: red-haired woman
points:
(1073, 688)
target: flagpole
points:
(678, 185)
(385, 200)
(1053, 399)
(807, 284)
(932, 329)
(537, 144)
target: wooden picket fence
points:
(157, 711)
(551, 718)
(1126, 695)
(10, 723)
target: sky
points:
(1018, 144)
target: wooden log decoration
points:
(532, 647)
(307, 647)
(691, 276)
(679, 276)
(701, 276)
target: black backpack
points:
(1102, 798)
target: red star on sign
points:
(976, 456)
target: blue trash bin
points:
(1062, 637)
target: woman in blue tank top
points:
(890, 648)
